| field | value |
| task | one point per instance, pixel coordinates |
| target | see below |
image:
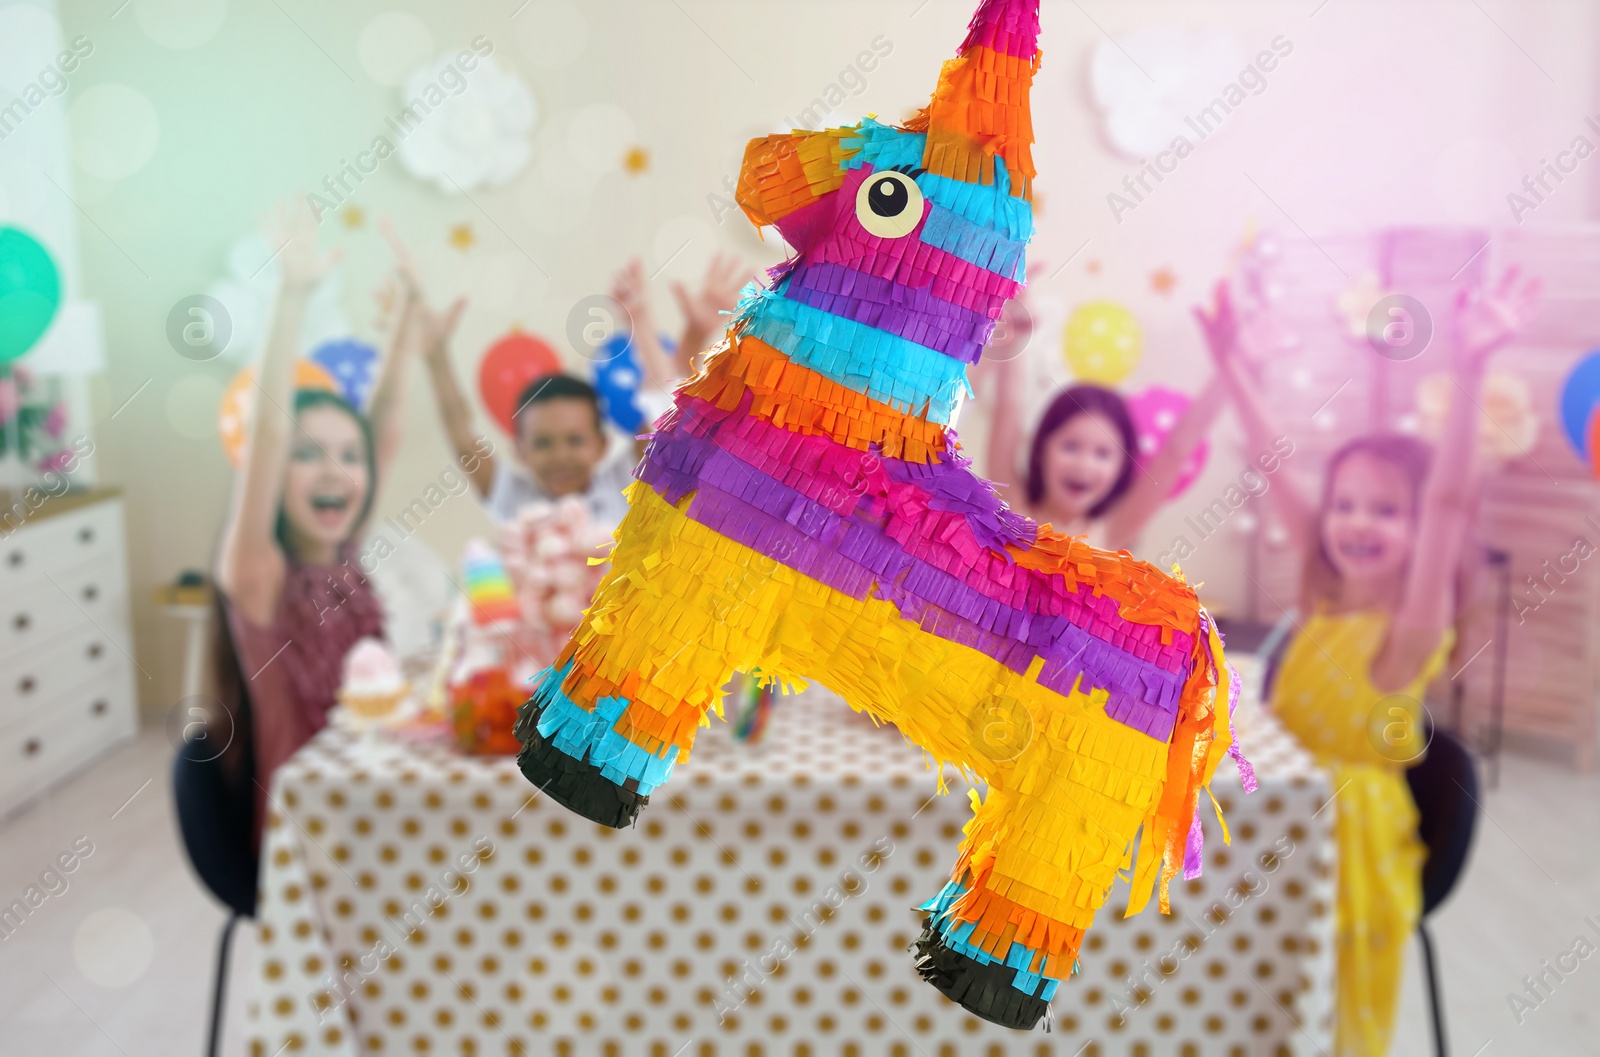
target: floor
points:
(118, 961)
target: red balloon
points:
(507, 368)
(1594, 442)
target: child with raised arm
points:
(1084, 476)
(1382, 546)
(562, 446)
(292, 599)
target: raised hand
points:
(1220, 325)
(430, 331)
(290, 228)
(390, 300)
(1485, 322)
(422, 329)
(632, 291)
(719, 291)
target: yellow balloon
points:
(1102, 342)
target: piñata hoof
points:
(577, 785)
(805, 511)
(984, 990)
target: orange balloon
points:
(237, 409)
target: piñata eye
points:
(889, 204)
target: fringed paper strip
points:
(1010, 28)
(884, 147)
(928, 514)
(785, 173)
(906, 376)
(958, 245)
(1247, 773)
(905, 311)
(959, 935)
(861, 554)
(914, 263)
(799, 400)
(941, 514)
(979, 114)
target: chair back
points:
(216, 820)
(214, 780)
(1444, 784)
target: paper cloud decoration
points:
(247, 292)
(475, 138)
(1174, 73)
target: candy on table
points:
(548, 549)
(484, 710)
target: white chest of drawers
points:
(66, 675)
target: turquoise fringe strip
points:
(911, 378)
(590, 735)
(956, 938)
(990, 207)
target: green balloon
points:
(30, 292)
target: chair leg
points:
(220, 987)
(1440, 1048)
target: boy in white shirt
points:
(562, 444)
(564, 449)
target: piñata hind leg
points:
(1066, 792)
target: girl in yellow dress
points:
(1381, 552)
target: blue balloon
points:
(1579, 395)
(353, 364)
(617, 376)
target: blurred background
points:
(1385, 147)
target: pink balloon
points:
(1155, 412)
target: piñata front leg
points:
(674, 617)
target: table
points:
(792, 864)
(192, 605)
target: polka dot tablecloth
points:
(417, 902)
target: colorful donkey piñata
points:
(804, 510)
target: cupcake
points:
(373, 687)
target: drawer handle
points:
(99, 708)
(26, 684)
(21, 622)
(14, 559)
(95, 649)
(86, 535)
(31, 747)
(90, 592)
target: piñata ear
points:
(980, 109)
(786, 180)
